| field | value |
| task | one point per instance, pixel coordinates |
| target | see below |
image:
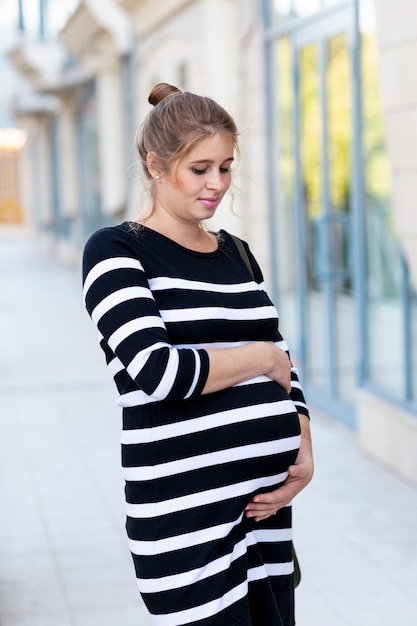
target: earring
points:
(157, 177)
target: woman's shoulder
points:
(110, 235)
(231, 237)
(234, 242)
(237, 243)
(108, 243)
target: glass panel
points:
(53, 13)
(58, 13)
(384, 270)
(30, 19)
(284, 8)
(329, 3)
(307, 7)
(285, 192)
(281, 9)
(311, 173)
(414, 342)
(339, 132)
(339, 112)
(311, 131)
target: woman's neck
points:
(192, 236)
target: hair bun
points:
(160, 91)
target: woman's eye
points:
(198, 172)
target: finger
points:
(297, 471)
(253, 511)
(257, 517)
(277, 497)
(283, 500)
(266, 498)
(265, 508)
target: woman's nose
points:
(215, 181)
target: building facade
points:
(341, 184)
(327, 178)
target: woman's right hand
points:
(278, 366)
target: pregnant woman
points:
(216, 439)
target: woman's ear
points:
(153, 165)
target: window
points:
(384, 266)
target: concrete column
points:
(26, 180)
(68, 160)
(221, 52)
(110, 129)
(43, 183)
(220, 56)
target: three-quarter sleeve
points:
(118, 298)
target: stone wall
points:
(397, 40)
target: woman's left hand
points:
(264, 505)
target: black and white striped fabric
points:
(192, 462)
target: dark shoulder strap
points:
(242, 251)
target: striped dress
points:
(192, 462)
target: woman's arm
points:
(230, 366)
(299, 475)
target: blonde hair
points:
(177, 123)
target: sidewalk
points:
(63, 554)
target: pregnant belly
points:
(223, 448)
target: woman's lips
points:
(210, 203)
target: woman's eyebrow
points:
(230, 159)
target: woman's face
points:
(194, 187)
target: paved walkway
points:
(63, 554)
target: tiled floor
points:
(63, 554)
(355, 529)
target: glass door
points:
(326, 198)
